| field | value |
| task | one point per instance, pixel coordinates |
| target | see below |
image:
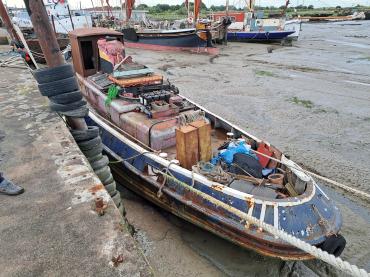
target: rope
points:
(335, 183)
(130, 158)
(336, 262)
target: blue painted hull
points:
(258, 36)
(299, 219)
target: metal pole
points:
(70, 17)
(8, 23)
(52, 21)
(49, 45)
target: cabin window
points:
(87, 54)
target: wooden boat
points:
(157, 136)
(252, 26)
(249, 36)
(169, 40)
(34, 45)
(354, 16)
(198, 40)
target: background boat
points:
(182, 39)
(34, 46)
(245, 36)
(195, 39)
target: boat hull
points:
(35, 47)
(198, 210)
(178, 206)
(293, 25)
(301, 216)
(168, 41)
(258, 36)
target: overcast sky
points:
(239, 3)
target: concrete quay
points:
(53, 229)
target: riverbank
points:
(311, 100)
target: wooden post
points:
(187, 149)
(8, 23)
(204, 139)
(49, 45)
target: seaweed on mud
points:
(305, 103)
(263, 73)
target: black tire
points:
(108, 180)
(82, 135)
(66, 98)
(59, 87)
(93, 152)
(89, 144)
(116, 198)
(100, 163)
(111, 187)
(95, 158)
(334, 245)
(66, 107)
(103, 173)
(79, 112)
(46, 75)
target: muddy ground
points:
(312, 100)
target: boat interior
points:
(149, 110)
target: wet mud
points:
(311, 100)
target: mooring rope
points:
(335, 183)
(336, 262)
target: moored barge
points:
(169, 144)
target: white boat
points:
(59, 15)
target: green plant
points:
(305, 103)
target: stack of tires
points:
(60, 85)
(91, 145)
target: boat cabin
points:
(249, 21)
(84, 42)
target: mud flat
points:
(312, 100)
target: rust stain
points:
(218, 187)
(100, 206)
(117, 260)
(96, 188)
(250, 202)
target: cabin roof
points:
(96, 31)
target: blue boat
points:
(169, 40)
(255, 27)
(258, 36)
(144, 131)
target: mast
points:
(187, 6)
(251, 5)
(129, 6)
(197, 4)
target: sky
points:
(238, 3)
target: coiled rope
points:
(318, 253)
